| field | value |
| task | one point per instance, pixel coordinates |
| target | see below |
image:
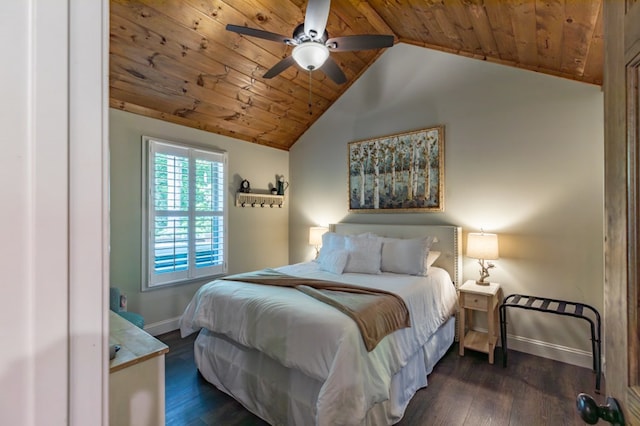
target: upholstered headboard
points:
(449, 240)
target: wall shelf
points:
(244, 199)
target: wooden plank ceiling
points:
(174, 60)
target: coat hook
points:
(262, 204)
(271, 205)
(243, 204)
(253, 204)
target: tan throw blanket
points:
(376, 312)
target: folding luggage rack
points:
(573, 309)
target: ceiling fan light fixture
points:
(310, 55)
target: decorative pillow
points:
(406, 256)
(364, 254)
(368, 235)
(334, 261)
(330, 242)
(333, 240)
(431, 258)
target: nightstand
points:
(483, 298)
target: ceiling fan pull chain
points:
(310, 112)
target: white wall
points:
(258, 237)
(523, 158)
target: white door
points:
(54, 220)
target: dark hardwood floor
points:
(462, 391)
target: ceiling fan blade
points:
(334, 72)
(257, 33)
(359, 42)
(279, 67)
(315, 19)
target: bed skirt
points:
(284, 396)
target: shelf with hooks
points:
(244, 199)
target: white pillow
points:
(431, 258)
(334, 261)
(406, 256)
(333, 240)
(330, 242)
(364, 254)
(368, 235)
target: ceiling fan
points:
(312, 44)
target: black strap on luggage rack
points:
(573, 309)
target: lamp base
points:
(481, 282)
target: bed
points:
(293, 360)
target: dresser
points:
(136, 375)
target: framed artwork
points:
(398, 173)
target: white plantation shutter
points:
(209, 213)
(186, 225)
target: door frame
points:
(88, 211)
(622, 223)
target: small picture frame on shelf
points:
(245, 186)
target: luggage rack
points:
(558, 307)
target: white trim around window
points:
(184, 229)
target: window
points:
(185, 231)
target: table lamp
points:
(483, 246)
(315, 237)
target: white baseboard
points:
(547, 350)
(550, 351)
(162, 327)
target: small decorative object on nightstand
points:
(483, 298)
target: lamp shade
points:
(482, 246)
(315, 235)
(310, 55)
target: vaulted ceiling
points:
(175, 61)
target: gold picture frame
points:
(397, 173)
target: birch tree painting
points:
(403, 172)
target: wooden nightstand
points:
(483, 298)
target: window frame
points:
(149, 279)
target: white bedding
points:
(306, 335)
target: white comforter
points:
(317, 339)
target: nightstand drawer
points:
(475, 301)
